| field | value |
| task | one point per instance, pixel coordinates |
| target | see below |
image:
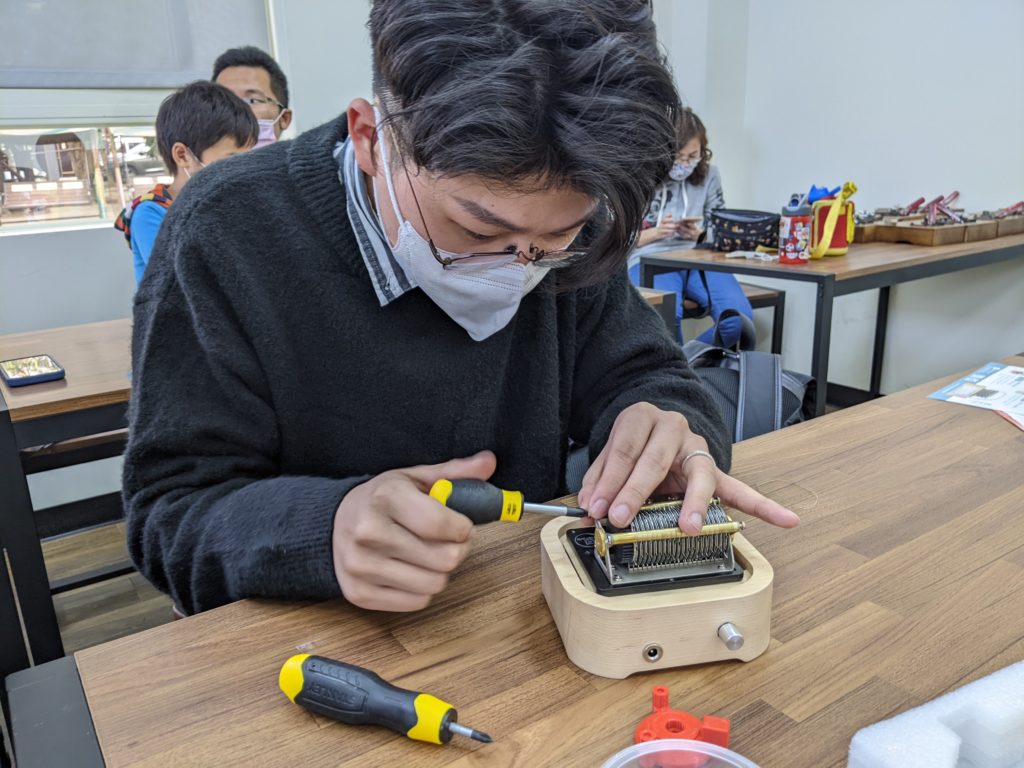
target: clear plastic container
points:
(677, 753)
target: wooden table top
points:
(903, 582)
(96, 358)
(862, 258)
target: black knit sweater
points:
(268, 381)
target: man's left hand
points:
(646, 454)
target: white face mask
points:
(481, 298)
(682, 171)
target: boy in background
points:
(197, 125)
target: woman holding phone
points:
(675, 220)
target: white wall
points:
(683, 34)
(50, 279)
(324, 48)
(909, 98)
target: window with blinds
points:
(122, 43)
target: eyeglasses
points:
(551, 259)
(251, 100)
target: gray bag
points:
(753, 392)
(751, 389)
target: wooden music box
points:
(650, 597)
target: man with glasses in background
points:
(254, 77)
(431, 286)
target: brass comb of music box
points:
(651, 597)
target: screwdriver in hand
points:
(482, 502)
(357, 696)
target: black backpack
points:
(751, 388)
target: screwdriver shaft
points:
(558, 510)
(469, 733)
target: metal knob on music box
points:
(651, 597)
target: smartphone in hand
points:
(689, 227)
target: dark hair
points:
(570, 92)
(688, 127)
(199, 115)
(251, 56)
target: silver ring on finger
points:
(695, 454)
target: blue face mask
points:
(681, 171)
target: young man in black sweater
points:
(330, 325)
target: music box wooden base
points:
(619, 635)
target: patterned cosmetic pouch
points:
(731, 229)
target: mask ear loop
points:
(387, 166)
(201, 163)
(444, 261)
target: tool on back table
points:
(483, 502)
(904, 211)
(913, 206)
(880, 214)
(941, 205)
(357, 696)
(1011, 210)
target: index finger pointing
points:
(741, 496)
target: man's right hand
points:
(394, 546)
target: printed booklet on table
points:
(996, 387)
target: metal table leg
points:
(822, 341)
(667, 308)
(13, 655)
(647, 273)
(19, 537)
(881, 325)
(778, 317)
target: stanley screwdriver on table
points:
(482, 502)
(357, 696)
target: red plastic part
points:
(666, 723)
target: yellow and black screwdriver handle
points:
(357, 696)
(479, 500)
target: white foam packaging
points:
(980, 725)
